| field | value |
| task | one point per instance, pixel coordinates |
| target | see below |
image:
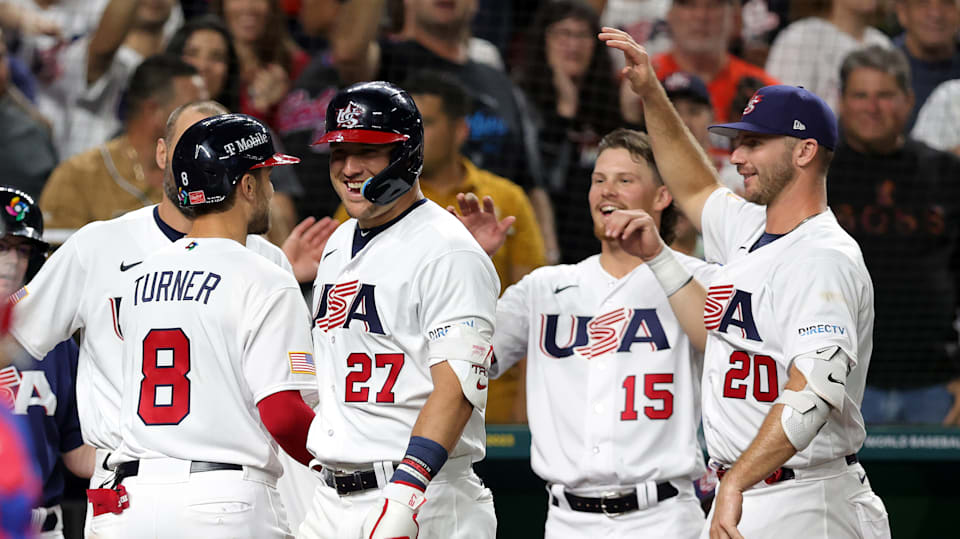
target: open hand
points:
(482, 223)
(638, 70)
(304, 246)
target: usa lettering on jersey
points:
(727, 306)
(21, 390)
(590, 337)
(341, 304)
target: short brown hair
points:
(638, 145)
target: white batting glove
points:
(395, 517)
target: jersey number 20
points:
(165, 388)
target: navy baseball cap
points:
(792, 111)
(682, 85)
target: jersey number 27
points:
(165, 388)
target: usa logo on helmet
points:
(349, 116)
(752, 104)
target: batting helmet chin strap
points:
(392, 182)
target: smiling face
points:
(932, 24)
(765, 162)
(700, 26)
(351, 164)
(622, 182)
(208, 51)
(874, 110)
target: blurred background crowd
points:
(516, 95)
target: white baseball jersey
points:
(807, 290)
(612, 380)
(375, 314)
(79, 288)
(209, 329)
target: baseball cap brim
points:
(732, 129)
(277, 160)
(364, 136)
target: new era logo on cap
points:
(790, 111)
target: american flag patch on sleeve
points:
(302, 363)
(18, 295)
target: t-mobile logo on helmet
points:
(349, 116)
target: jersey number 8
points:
(165, 388)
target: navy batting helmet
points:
(379, 113)
(213, 154)
(22, 218)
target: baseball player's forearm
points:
(687, 304)
(81, 461)
(446, 411)
(684, 166)
(769, 450)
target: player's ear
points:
(662, 199)
(804, 152)
(161, 154)
(248, 186)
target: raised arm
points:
(356, 52)
(685, 167)
(115, 24)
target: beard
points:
(260, 222)
(770, 185)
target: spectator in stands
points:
(569, 80)
(701, 30)
(269, 58)
(25, 137)
(301, 116)
(502, 134)
(206, 44)
(97, 69)
(930, 41)
(809, 52)
(122, 174)
(444, 104)
(899, 199)
(938, 124)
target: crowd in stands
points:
(516, 96)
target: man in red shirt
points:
(701, 31)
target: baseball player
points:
(80, 287)
(405, 303)
(789, 317)
(612, 379)
(42, 392)
(214, 334)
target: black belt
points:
(132, 468)
(621, 504)
(352, 482)
(49, 523)
(786, 474)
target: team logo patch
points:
(302, 363)
(197, 197)
(191, 246)
(349, 116)
(17, 208)
(717, 298)
(9, 379)
(19, 295)
(752, 104)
